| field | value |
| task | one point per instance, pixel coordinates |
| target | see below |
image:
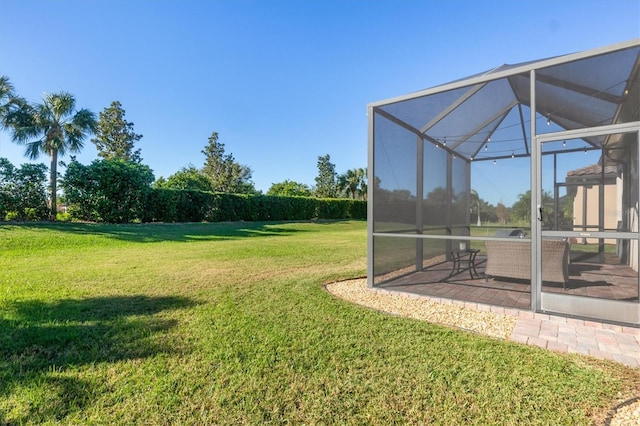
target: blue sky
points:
(281, 81)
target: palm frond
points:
(61, 104)
(7, 91)
(74, 138)
(41, 117)
(85, 120)
(17, 114)
(34, 149)
(25, 134)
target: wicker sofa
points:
(512, 259)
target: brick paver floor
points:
(601, 340)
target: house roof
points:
(594, 169)
(487, 115)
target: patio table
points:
(458, 255)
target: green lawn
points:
(230, 324)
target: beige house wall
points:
(612, 213)
(633, 248)
(633, 244)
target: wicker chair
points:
(512, 259)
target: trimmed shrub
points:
(113, 191)
(183, 205)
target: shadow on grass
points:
(40, 341)
(157, 232)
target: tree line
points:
(55, 127)
(479, 211)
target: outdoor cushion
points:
(512, 259)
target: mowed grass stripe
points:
(229, 324)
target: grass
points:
(230, 324)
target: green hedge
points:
(175, 205)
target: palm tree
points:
(9, 101)
(53, 128)
(7, 94)
(353, 182)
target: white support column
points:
(370, 196)
(449, 199)
(419, 201)
(536, 203)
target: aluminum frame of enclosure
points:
(530, 85)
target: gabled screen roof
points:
(488, 115)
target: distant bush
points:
(113, 191)
(23, 191)
(31, 214)
(63, 217)
(28, 214)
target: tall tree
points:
(225, 173)
(186, 178)
(353, 183)
(503, 213)
(521, 209)
(289, 188)
(115, 138)
(475, 205)
(52, 127)
(326, 179)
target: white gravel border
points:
(483, 322)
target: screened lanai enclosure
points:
(516, 187)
